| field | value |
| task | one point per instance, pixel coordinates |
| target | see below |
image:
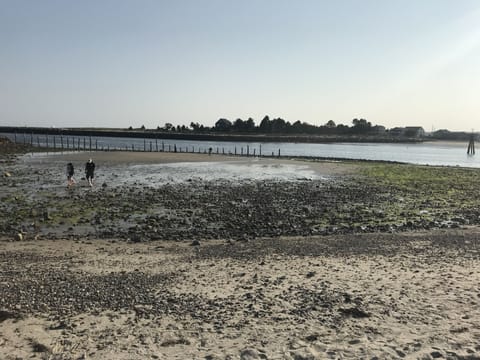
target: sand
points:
(418, 301)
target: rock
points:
(310, 274)
(4, 315)
(46, 215)
(37, 347)
(302, 355)
(249, 354)
(195, 243)
(7, 174)
(354, 312)
(311, 338)
(436, 354)
(19, 237)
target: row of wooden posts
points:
(82, 144)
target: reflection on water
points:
(208, 171)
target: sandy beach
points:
(181, 256)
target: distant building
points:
(396, 131)
(414, 131)
(408, 131)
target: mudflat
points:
(209, 257)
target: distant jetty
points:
(195, 136)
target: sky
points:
(119, 63)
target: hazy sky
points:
(131, 63)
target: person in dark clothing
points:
(89, 171)
(70, 171)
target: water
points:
(429, 153)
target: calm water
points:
(431, 153)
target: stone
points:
(354, 312)
(249, 354)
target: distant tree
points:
(296, 126)
(265, 125)
(361, 126)
(278, 125)
(330, 124)
(238, 125)
(168, 127)
(130, 128)
(250, 125)
(223, 125)
(143, 127)
(195, 126)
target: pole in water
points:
(471, 146)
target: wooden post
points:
(248, 150)
(260, 150)
(471, 146)
(278, 152)
(90, 143)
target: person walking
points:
(70, 171)
(89, 171)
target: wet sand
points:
(206, 291)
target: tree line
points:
(275, 126)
